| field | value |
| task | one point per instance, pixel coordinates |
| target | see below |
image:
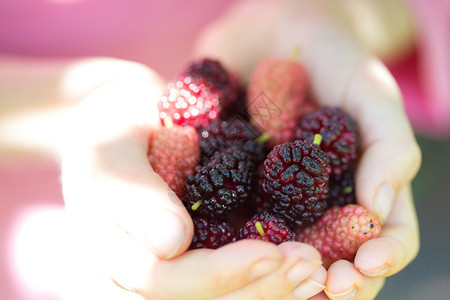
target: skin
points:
(109, 184)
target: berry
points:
(296, 178)
(222, 185)
(198, 95)
(341, 189)
(211, 233)
(268, 227)
(173, 154)
(276, 93)
(339, 136)
(259, 200)
(340, 232)
(234, 132)
(223, 81)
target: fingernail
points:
(383, 201)
(376, 272)
(318, 284)
(308, 287)
(301, 270)
(264, 267)
(347, 295)
(169, 236)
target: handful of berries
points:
(264, 162)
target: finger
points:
(108, 152)
(300, 262)
(345, 282)
(311, 286)
(205, 274)
(391, 157)
(398, 243)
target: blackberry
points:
(211, 233)
(339, 136)
(296, 178)
(268, 227)
(341, 189)
(234, 132)
(222, 185)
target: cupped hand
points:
(342, 74)
(135, 230)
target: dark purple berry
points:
(211, 233)
(339, 136)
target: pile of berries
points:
(263, 162)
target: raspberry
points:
(211, 233)
(268, 227)
(198, 95)
(234, 132)
(173, 154)
(341, 189)
(222, 185)
(275, 96)
(339, 136)
(340, 232)
(297, 175)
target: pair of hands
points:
(138, 228)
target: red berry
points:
(223, 81)
(340, 232)
(339, 136)
(198, 95)
(268, 227)
(173, 154)
(275, 96)
(296, 178)
(211, 233)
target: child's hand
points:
(342, 74)
(135, 229)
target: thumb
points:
(106, 169)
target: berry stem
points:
(348, 190)
(317, 139)
(168, 122)
(262, 138)
(197, 204)
(260, 229)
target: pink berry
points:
(340, 232)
